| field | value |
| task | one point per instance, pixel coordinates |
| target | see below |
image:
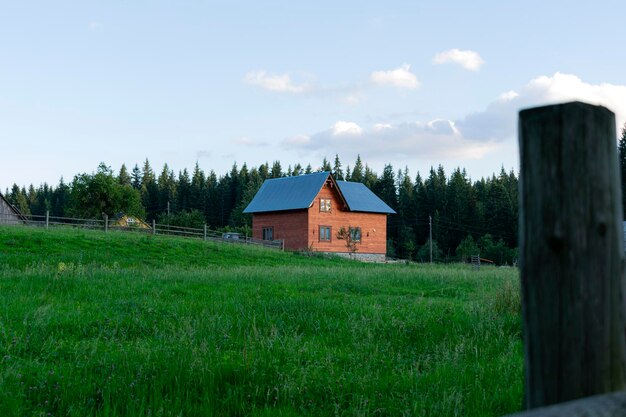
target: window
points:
(324, 204)
(268, 233)
(325, 233)
(355, 234)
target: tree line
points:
(467, 217)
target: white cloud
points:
(382, 126)
(400, 77)
(499, 120)
(279, 83)
(297, 141)
(346, 128)
(483, 140)
(244, 141)
(353, 99)
(508, 96)
(95, 25)
(469, 60)
(432, 141)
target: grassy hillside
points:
(130, 325)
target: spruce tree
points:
(337, 171)
(136, 178)
(357, 172)
(123, 178)
(325, 166)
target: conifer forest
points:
(467, 216)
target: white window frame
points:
(325, 204)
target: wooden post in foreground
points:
(571, 253)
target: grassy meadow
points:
(123, 324)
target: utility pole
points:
(430, 227)
(168, 208)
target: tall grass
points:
(175, 327)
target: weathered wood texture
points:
(606, 405)
(570, 254)
(8, 214)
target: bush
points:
(193, 218)
(423, 254)
(496, 251)
(467, 248)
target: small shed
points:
(9, 214)
(129, 221)
(318, 213)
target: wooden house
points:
(310, 212)
(9, 214)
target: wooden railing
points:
(47, 221)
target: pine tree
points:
(357, 172)
(147, 174)
(297, 170)
(325, 166)
(337, 171)
(459, 210)
(264, 171)
(149, 192)
(167, 190)
(406, 217)
(369, 178)
(183, 191)
(136, 178)
(277, 171)
(123, 178)
(211, 200)
(198, 181)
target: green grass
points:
(130, 325)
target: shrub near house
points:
(310, 212)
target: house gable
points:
(325, 225)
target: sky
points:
(409, 83)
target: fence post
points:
(153, 227)
(570, 253)
(106, 223)
(47, 219)
(204, 231)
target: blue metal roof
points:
(295, 193)
(361, 198)
(288, 193)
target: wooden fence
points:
(571, 262)
(105, 225)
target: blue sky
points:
(410, 83)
